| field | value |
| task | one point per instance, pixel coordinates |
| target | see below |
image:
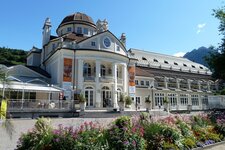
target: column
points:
(166, 82)
(124, 74)
(178, 83)
(189, 84)
(97, 84)
(80, 81)
(199, 85)
(114, 73)
(178, 100)
(200, 101)
(153, 99)
(208, 86)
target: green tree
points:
(216, 60)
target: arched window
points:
(87, 69)
(103, 70)
(105, 88)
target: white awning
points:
(31, 87)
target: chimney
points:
(123, 39)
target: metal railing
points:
(18, 104)
(89, 79)
(106, 79)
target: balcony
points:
(106, 79)
(172, 85)
(159, 84)
(89, 79)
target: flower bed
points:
(136, 132)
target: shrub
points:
(170, 146)
(128, 100)
(81, 98)
(123, 135)
(185, 129)
(122, 98)
(188, 143)
(153, 135)
(38, 138)
(213, 136)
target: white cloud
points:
(179, 54)
(200, 27)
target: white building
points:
(85, 57)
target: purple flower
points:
(134, 143)
(57, 140)
(125, 143)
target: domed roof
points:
(78, 18)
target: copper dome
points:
(78, 18)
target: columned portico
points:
(114, 91)
(97, 85)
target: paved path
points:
(217, 147)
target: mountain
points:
(11, 57)
(198, 55)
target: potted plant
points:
(122, 102)
(148, 103)
(82, 101)
(166, 103)
(128, 101)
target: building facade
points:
(85, 57)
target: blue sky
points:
(163, 26)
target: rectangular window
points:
(132, 98)
(69, 29)
(138, 100)
(172, 97)
(159, 99)
(194, 100)
(205, 99)
(184, 99)
(79, 30)
(85, 30)
(142, 83)
(136, 82)
(92, 43)
(147, 83)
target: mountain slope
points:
(11, 57)
(198, 55)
